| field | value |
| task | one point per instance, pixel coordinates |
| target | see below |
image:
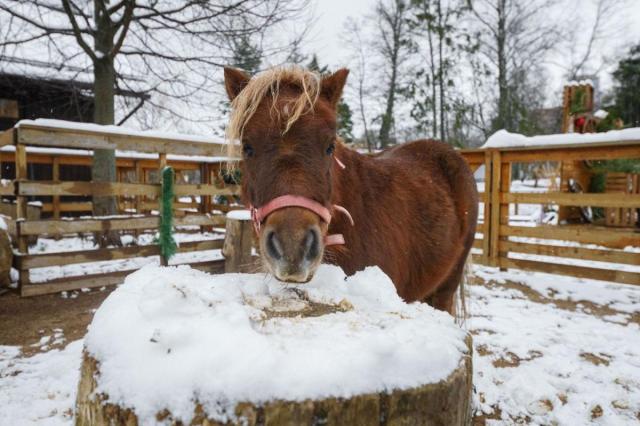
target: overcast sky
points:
(326, 37)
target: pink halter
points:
(259, 214)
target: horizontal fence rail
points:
(140, 156)
(579, 250)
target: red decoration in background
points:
(579, 124)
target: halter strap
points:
(259, 214)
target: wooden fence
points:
(559, 249)
(60, 138)
(500, 242)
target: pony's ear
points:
(332, 85)
(234, 81)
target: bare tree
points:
(515, 36)
(173, 44)
(358, 47)
(605, 25)
(439, 38)
(393, 46)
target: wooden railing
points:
(559, 248)
(146, 196)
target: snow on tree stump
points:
(178, 346)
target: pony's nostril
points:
(311, 245)
(273, 246)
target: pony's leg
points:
(444, 296)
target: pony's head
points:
(284, 123)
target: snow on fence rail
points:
(138, 199)
(580, 250)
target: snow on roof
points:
(505, 139)
(34, 68)
(30, 67)
(602, 114)
(169, 336)
(586, 82)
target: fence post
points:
(55, 176)
(505, 188)
(205, 200)
(139, 179)
(21, 208)
(495, 207)
(486, 199)
(237, 242)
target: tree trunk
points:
(447, 402)
(396, 25)
(387, 118)
(434, 79)
(104, 160)
(441, 59)
(502, 121)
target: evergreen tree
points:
(627, 91)
(246, 56)
(314, 65)
(345, 120)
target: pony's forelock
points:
(244, 106)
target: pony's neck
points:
(344, 178)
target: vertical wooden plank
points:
(56, 178)
(138, 199)
(495, 206)
(205, 200)
(237, 245)
(486, 199)
(21, 209)
(505, 187)
(162, 160)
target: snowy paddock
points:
(547, 349)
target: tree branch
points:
(126, 21)
(77, 33)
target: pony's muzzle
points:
(291, 245)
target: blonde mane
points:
(244, 106)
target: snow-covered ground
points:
(555, 350)
(547, 349)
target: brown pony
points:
(414, 206)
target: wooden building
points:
(31, 89)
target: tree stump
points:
(336, 351)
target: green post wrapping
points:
(166, 241)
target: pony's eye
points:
(331, 148)
(247, 150)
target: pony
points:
(411, 209)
